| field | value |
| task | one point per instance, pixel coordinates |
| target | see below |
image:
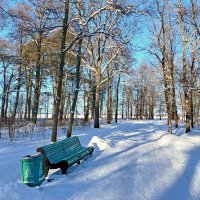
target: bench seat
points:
(64, 153)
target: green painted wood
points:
(69, 150)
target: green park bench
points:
(63, 154)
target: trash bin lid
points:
(33, 156)
(36, 154)
(26, 157)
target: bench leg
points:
(91, 151)
(46, 167)
(64, 170)
(63, 167)
(79, 162)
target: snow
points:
(98, 142)
(133, 160)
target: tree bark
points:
(30, 93)
(97, 98)
(18, 81)
(55, 87)
(186, 95)
(37, 81)
(93, 95)
(27, 94)
(62, 104)
(60, 73)
(183, 29)
(192, 83)
(78, 66)
(175, 112)
(109, 102)
(3, 98)
(117, 100)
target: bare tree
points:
(181, 13)
(79, 25)
(60, 71)
(159, 49)
(117, 99)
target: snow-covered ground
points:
(133, 160)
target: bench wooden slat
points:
(68, 150)
(73, 160)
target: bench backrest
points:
(62, 149)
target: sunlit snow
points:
(133, 160)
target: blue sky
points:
(138, 42)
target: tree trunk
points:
(78, 66)
(3, 98)
(131, 110)
(3, 105)
(186, 96)
(192, 109)
(60, 73)
(87, 109)
(167, 92)
(7, 94)
(62, 104)
(27, 94)
(97, 98)
(101, 103)
(55, 87)
(18, 82)
(6, 106)
(175, 113)
(117, 100)
(30, 93)
(109, 103)
(37, 81)
(168, 105)
(192, 83)
(93, 94)
(183, 30)
(123, 94)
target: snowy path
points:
(132, 161)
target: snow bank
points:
(99, 143)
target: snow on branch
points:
(105, 67)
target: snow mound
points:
(98, 142)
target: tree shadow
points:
(184, 188)
(81, 186)
(122, 130)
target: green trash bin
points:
(32, 169)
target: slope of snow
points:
(133, 160)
